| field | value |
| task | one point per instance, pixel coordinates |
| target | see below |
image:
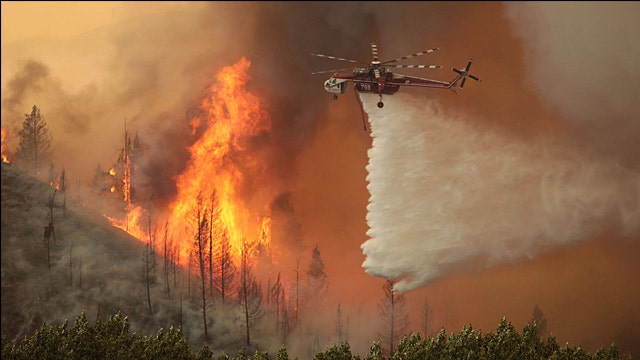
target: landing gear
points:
(335, 97)
(380, 103)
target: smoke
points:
(548, 93)
(582, 62)
(447, 194)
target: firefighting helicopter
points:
(375, 77)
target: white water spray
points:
(448, 194)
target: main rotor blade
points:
(416, 66)
(374, 52)
(334, 58)
(328, 71)
(474, 78)
(412, 55)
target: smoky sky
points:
(556, 73)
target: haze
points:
(555, 118)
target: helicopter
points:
(375, 77)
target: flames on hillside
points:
(5, 158)
(211, 184)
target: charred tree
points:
(539, 319)
(285, 321)
(225, 281)
(214, 213)
(80, 274)
(71, 264)
(249, 294)
(175, 260)
(100, 180)
(166, 268)
(200, 237)
(297, 296)
(339, 326)
(34, 149)
(392, 311)
(122, 171)
(426, 317)
(62, 185)
(315, 293)
(149, 260)
(49, 231)
(146, 260)
(275, 299)
(316, 280)
(152, 236)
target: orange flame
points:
(219, 157)
(131, 223)
(126, 180)
(265, 232)
(5, 159)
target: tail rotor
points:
(464, 74)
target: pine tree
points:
(315, 296)
(34, 150)
(539, 319)
(316, 280)
(99, 179)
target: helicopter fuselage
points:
(364, 80)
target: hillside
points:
(94, 266)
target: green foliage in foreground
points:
(112, 339)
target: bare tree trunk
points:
(426, 317)
(244, 290)
(80, 274)
(49, 229)
(70, 265)
(297, 291)
(166, 260)
(201, 231)
(147, 276)
(393, 322)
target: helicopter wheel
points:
(380, 104)
(335, 97)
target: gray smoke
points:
(447, 194)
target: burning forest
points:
(179, 163)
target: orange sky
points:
(149, 72)
(53, 18)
